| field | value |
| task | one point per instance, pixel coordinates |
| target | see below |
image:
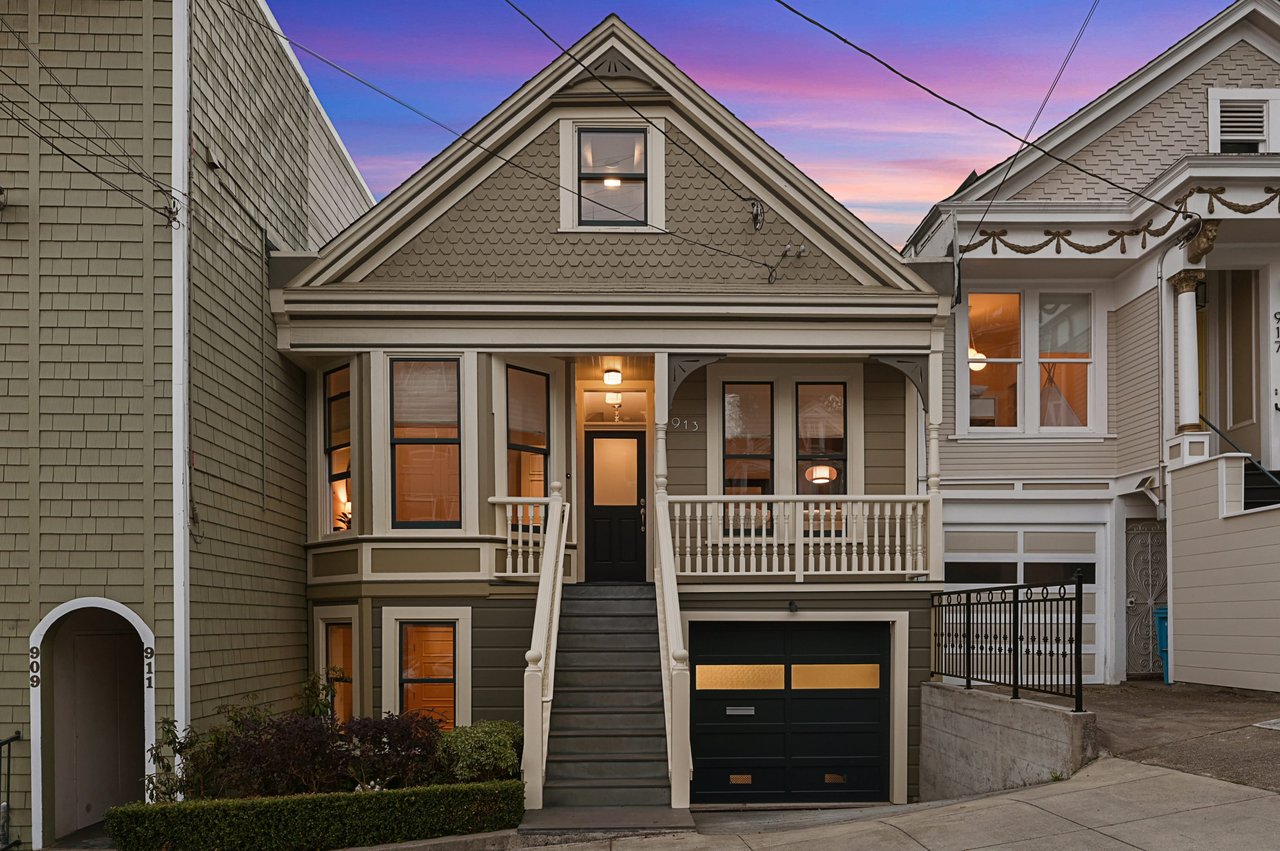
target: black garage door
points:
(790, 711)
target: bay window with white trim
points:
(338, 449)
(426, 443)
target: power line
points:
(756, 203)
(772, 269)
(988, 122)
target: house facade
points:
(151, 538)
(1110, 400)
(618, 427)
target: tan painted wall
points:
(1224, 629)
(884, 395)
(1133, 337)
(1155, 137)
(686, 448)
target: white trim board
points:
(322, 616)
(461, 616)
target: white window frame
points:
(322, 616)
(392, 617)
(320, 520)
(1029, 404)
(555, 371)
(1270, 96)
(655, 172)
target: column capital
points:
(1186, 281)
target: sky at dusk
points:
(885, 150)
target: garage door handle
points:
(739, 710)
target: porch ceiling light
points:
(613, 377)
(974, 353)
(821, 474)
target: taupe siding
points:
(335, 194)
(1155, 137)
(1224, 584)
(915, 603)
(687, 448)
(505, 233)
(884, 420)
(1134, 339)
(248, 413)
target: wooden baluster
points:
(874, 512)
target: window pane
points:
(821, 476)
(612, 151)
(618, 199)
(428, 485)
(1065, 326)
(995, 325)
(340, 461)
(747, 476)
(740, 677)
(338, 381)
(610, 407)
(340, 504)
(526, 408)
(820, 419)
(339, 422)
(426, 651)
(1064, 395)
(835, 676)
(615, 471)
(1059, 572)
(748, 419)
(338, 649)
(425, 399)
(434, 699)
(526, 473)
(964, 572)
(993, 394)
(343, 702)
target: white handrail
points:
(675, 667)
(521, 519)
(540, 670)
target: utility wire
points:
(772, 269)
(755, 202)
(974, 115)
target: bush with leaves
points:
(394, 751)
(487, 750)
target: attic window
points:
(1242, 126)
(612, 177)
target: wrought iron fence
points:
(1025, 637)
(6, 790)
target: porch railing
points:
(539, 673)
(521, 518)
(1024, 637)
(6, 791)
(799, 536)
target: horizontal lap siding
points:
(884, 395)
(1226, 591)
(1134, 335)
(687, 445)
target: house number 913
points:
(684, 424)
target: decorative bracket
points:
(680, 367)
(914, 367)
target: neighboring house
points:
(1091, 339)
(140, 375)
(512, 345)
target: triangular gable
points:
(799, 211)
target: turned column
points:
(1184, 286)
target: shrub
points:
(301, 822)
(394, 751)
(487, 750)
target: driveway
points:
(1113, 803)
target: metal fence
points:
(6, 790)
(1025, 637)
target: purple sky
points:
(885, 150)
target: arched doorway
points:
(93, 709)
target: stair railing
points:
(1254, 461)
(675, 667)
(539, 675)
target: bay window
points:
(426, 456)
(748, 438)
(995, 359)
(337, 446)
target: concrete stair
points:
(608, 744)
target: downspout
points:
(1180, 239)
(180, 155)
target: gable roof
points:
(785, 189)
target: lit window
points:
(338, 667)
(1066, 356)
(426, 457)
(337, 446)
(528, 430)
(428, 666)
(994, 359)
(748, 439)
(820, 439)
(612, 180)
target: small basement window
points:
(612, 177)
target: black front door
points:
(791, 711)
(615, 511)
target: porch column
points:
(661, 412)
(933, 465)
(1184, 286)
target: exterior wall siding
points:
(1133, 335)
(687, 448)
(884, 394)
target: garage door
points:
(790, 711)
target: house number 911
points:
(684, 424)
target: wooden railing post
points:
(533, 763)
(681, 767)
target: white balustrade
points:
(755, 537)
(521, 518)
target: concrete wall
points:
(974, 741)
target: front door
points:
(615, 509)
(1146, 583)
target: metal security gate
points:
(789, 711)
(1146, 585)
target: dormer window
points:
(1242, 121)
(612, 177)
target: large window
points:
(528, 432)
(428, 670)
(995, 359)
(337, 446)
(426, 472)
(1066, 355)
(338, 668)
(748, 438)
(612, 178)
(821, 453)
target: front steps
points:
(608, 743)
(1259, 490)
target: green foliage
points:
(303, 822)
(317, 695)
(487, 750)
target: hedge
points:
(324, 821)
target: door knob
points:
(1131, 603)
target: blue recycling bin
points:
(1161, 616)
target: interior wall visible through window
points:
(821, 446)
(528, 431)
(748, 438)
(426, 457)
(428, 670)
(337, 446)
(1066, 353)
(338, 642)
(994, 359)
(612, 178)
